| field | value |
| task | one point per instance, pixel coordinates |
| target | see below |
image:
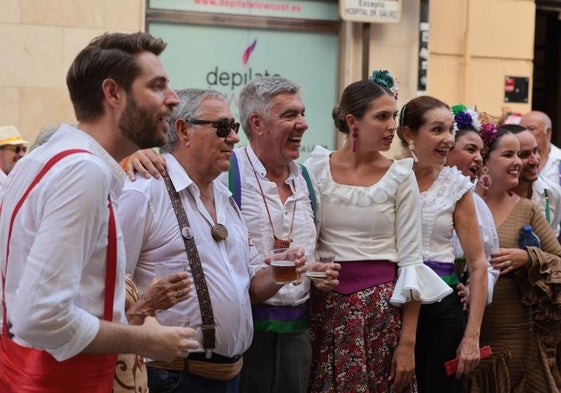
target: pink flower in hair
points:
(488, 133)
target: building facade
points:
(464, 51)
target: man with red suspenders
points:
(62, 258)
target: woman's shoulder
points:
(404, 165)
(455, 181)
(398, 172)
(318, 161)
(453, 173)
(525, 205)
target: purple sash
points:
(355, 276)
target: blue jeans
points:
(168, 381)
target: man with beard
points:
(531, 184)
(63, 260)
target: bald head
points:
(539, 124)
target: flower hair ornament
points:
(385, 79)
(488, 133)
(465, 118)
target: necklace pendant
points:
(219, 232)
(281, 243)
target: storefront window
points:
(225, 57)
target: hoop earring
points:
(355, 137)
(485, 180)
(411, 147)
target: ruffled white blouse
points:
(437, 210)
(377, 222)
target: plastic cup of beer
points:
(318, 269)
(284, 267)
(176, 318)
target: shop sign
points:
(370, 11)
(290, 9)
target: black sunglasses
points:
(16, 149)
(223, 127)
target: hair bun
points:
(385, 79)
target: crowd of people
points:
(128, 270)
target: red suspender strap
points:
(111, 266)
(111, 269)
(29, 370)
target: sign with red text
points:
(370, 11)
(292, 9)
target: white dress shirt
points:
(152, 236)
(55, 283)
(552, 168)
(257, 219)
(3, 181)
(551, 208)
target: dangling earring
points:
(355, 137)
(412, 150)
(485, 180)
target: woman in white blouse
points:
(363, 332)
(466, 155)
(426, 127)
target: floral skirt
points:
(353, 340)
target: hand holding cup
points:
(318, 270)
(287, 264)
(324, 271)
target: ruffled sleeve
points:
(415, 280)
(418, 282)
(318, 164)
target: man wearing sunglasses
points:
(201, 138)
(275, 202)
(12, 148)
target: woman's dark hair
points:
(109, 56)
(490, 144)
(463, 131)
(412, 114)
(356, 100)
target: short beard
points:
(140, 126)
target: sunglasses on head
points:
(16, 149)
(223, 127)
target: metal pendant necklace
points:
(218, 231)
